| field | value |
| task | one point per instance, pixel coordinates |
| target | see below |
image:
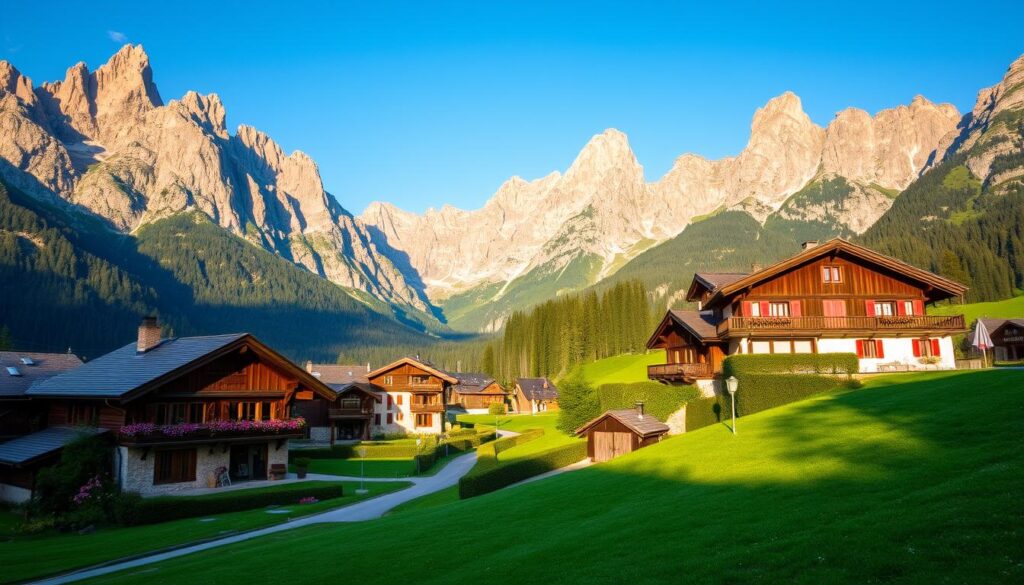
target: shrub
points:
(577, 403)
(496, 477)
(660, 400)
(790, 363)
(126, 508)
(81, 461)
(167, 508)
(496, 408)
(302, 462)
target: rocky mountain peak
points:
(207, 111)
(13, 82)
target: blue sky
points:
(427, 103)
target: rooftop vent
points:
(13, 371)
(27, 361)
(809, 244)
(640, 409)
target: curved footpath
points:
(365, 510)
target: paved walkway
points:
(365, 510)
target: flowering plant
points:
(89, 490)
(308, 500)
(216, 427)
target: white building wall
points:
(407, 424)
(135, 474)
(898, 350)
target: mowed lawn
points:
(914, 479)
(353, 467)
(1003, 309)
(620, 369)
(27, 557)
(551, 438)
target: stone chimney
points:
(809, 244)
(149, 335)
(640, 409)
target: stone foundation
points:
(320, 434)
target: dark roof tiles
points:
(538, 388)
(644, 425)
(43, 366)
(30, 447)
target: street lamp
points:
(362, 470)
(731, 383)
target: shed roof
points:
(537, 388)
(40, 444)
(644, 425)
(40, 367)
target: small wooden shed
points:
(617, 432)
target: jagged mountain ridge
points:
(105, 141)
(601, 213)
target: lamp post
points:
(731, 383)
(362, 470)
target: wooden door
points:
(610, 445)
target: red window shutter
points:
(879, 351)
(764, 308)
(860, 348)
(390, 402)
(795, 310)
(901, 307)
(935, 348)
(747, 311)
(917, 347)
(869, 308)
(919, 307)
(391, 418)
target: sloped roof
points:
(537, 388)
(472, 383)
(419, 363)
(45, 442)
(125, 371)
(43, 365)
(716, 280)
(644, 425)
(342, 378)
(700, 324)
(992, 325)
(950, 288)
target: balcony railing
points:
(350, 411)
(426, 407)
(679, 371)
(894, 323)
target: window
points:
(391, 418)
(760, 347)
(424, 420)
(376, 419)
(778, 309)
(870, 349)
(160, 414)
(419, 379)
(389, 380)
(246, 411)
(175, 466)
(178, 413)
(401, 416)
(927, 348)
(885, 308)
(391, 402)
(803, 346)
(831, 274)
(755, 309)
(266, 411)
(196, 412)
(82, 415)
(908, 307)
(782, 346)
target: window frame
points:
(180, 471)
(893, 311)
(428, 417)
(774, 306)
(832, 274)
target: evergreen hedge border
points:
(660, 401)
(499, 476)
(758, 392)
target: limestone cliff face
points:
(105, 141)
(994, 131)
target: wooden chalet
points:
(831, 297)
(535, 395)
(475, 393)
(182, 411)
(1007, 338)
(617, 432)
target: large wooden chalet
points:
(179, 412)
(475, 392)
(405, 396)
(831, 297)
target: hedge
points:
(1008, 364)
(791, 363)
(374, 450)
(757, 392)
(487, 455)
(132, 510)
(660, 400)
(499, 476)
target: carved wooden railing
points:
(426, 407)
(857, 323)
(679, 371)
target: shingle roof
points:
(716, 280)
(643, 425)
(538, 388)
(419, 363)
(340, 377)
(472, 383)
(25, 449)
(700, 323)
(123, 370)
(992, 324)
(44, 365)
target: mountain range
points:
(102, 146)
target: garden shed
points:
(617, 432)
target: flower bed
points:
(217, 428)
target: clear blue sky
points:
(426, 103)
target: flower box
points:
(226, 429)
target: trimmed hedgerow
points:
(373, 451)
(706, 411)
(757, 392)
(487, 455)
(497, 477)
(791, 363)
(660, 400)
(136, 511)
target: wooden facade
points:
(493, 393)
(618, 432)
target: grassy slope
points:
(19, 556)
(909, 480)
(996, 309)
(551, 438)
(619, 369)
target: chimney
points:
(640, 409)
(149, 335)
(368, 370)
(309, 366)
(809, 244)
(755, 267)
(458, 367)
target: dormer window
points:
(831, 274)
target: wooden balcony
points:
(896, 326)
(426, 407)
(679, 372)
(357, 411)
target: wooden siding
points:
(399, 379)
